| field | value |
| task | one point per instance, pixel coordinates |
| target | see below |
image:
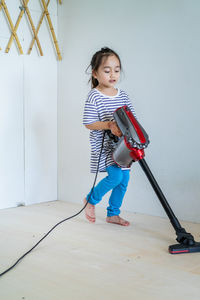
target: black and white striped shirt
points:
(100, 107)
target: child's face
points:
(108, 72)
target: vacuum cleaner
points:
(130, 148)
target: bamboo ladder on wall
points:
(32, 26)
(13, 31)
(46, 12)
(24, 9)
(37, 30)
(51, 28)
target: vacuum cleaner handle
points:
(131, 129)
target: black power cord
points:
(73, 216)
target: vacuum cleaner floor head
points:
(181, 248)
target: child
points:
(100, 105)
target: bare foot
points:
(89, 211)
(117, 220)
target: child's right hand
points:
(115, 129)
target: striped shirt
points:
(100, 107)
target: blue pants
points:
(117, 181)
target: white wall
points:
(28, 109)
(158, 42)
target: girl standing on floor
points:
(103, 99)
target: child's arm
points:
(107, 125)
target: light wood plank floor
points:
(98, 261)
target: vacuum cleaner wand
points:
(130, 148)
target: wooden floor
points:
(82, 261)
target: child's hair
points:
(97, 60)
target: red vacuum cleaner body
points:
(130, 148)
(134, 138)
